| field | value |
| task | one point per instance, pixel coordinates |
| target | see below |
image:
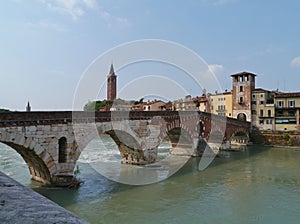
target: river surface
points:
(257, 185)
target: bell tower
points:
(242, 85)
(111, 84)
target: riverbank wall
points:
(19, 204)
(276, 139)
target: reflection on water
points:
(257, 185)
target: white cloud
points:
(295, 62)
(77, 8)
(216, 68)
(111, 19)
(74, 8)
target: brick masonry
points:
(36, 135)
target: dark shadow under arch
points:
(37, 168)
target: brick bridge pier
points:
(51, 142)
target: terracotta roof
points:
(287, 95)
(243, 73)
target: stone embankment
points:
(276, 139)
(19, 204)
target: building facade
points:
(185, 104)
(221, 104)
(263, 109)
(154, 105)
(242, 86)
(287, 107)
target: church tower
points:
(28, 107)
(111, 84)
(242, 86)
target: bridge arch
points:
(240, 136)
(33, 154)
(129, 148)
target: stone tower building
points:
(242, 86)
(111, 84)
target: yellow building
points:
(263, 109)
(221, 104)
(287, 111)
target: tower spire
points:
(111, 71)
(28, 107)
(111, 84)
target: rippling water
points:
(258, 185)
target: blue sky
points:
(45, 46)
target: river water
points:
(257, 185)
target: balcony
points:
(270, 104)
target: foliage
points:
(286, 137)
(139, 102)
(4, 110)
(95, 105)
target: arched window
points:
(62, 150)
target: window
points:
(261, 102)
(62, 150)
(261, 95)
(291, 103)
(241, 99)
(261, 122)
(280, 103)
(269, 121)
(279, 113)
(241, 78)
(261, 113)
(291, 113)
(253, 95)
(241, 88)
(285, 121)
(246, 78)
(212, 107)
(269, 113)
(253, 102)
(253, 112)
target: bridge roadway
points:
(50, 142)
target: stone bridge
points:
(51, 142)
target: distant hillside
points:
(4, 110)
